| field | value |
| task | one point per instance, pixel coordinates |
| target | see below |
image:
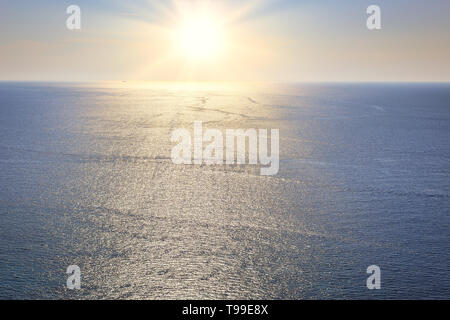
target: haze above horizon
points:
(258, 40)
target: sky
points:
(225, 40)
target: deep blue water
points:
(86, 179)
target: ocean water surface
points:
(86, 179)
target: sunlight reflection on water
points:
(87, 179)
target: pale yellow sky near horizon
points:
(257, 41)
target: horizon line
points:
(236, 81)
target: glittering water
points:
(86, 179)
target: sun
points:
(200, 36)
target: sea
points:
(87, 179)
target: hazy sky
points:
(263, 40)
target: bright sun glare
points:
(200, 36)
